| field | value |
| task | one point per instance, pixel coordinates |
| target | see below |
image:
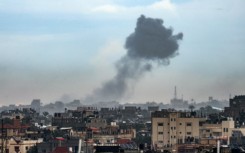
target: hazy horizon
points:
(65, 50)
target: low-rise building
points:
(16, 144)
(15, 128)
(210, 133)
(97, 123)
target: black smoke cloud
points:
(151, 42)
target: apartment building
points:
(210, 133)
(18, 145)
(237, 108)
(15, 128)
(171, 127)
(97, 123)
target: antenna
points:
(175, 92)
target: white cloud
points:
(49, 6)
(107, 8)
(163, 4)
(79, 6)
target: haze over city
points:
(65, 50)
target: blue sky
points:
(63, 50)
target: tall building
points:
(36, 104)
(170, 127)
(178, 103)
(237, 107)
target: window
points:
(225, 130)
(188, 133)
(26, 148)
(180, 132)
(180, 123)
(171, 119)
(17, 148)
(160, 141)
(188, 124)
(160, 132)
(160, 124)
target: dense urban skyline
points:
(63, 50)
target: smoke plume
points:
(150, 42)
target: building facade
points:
(170, 128)
(210, 133)
(236, 108)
